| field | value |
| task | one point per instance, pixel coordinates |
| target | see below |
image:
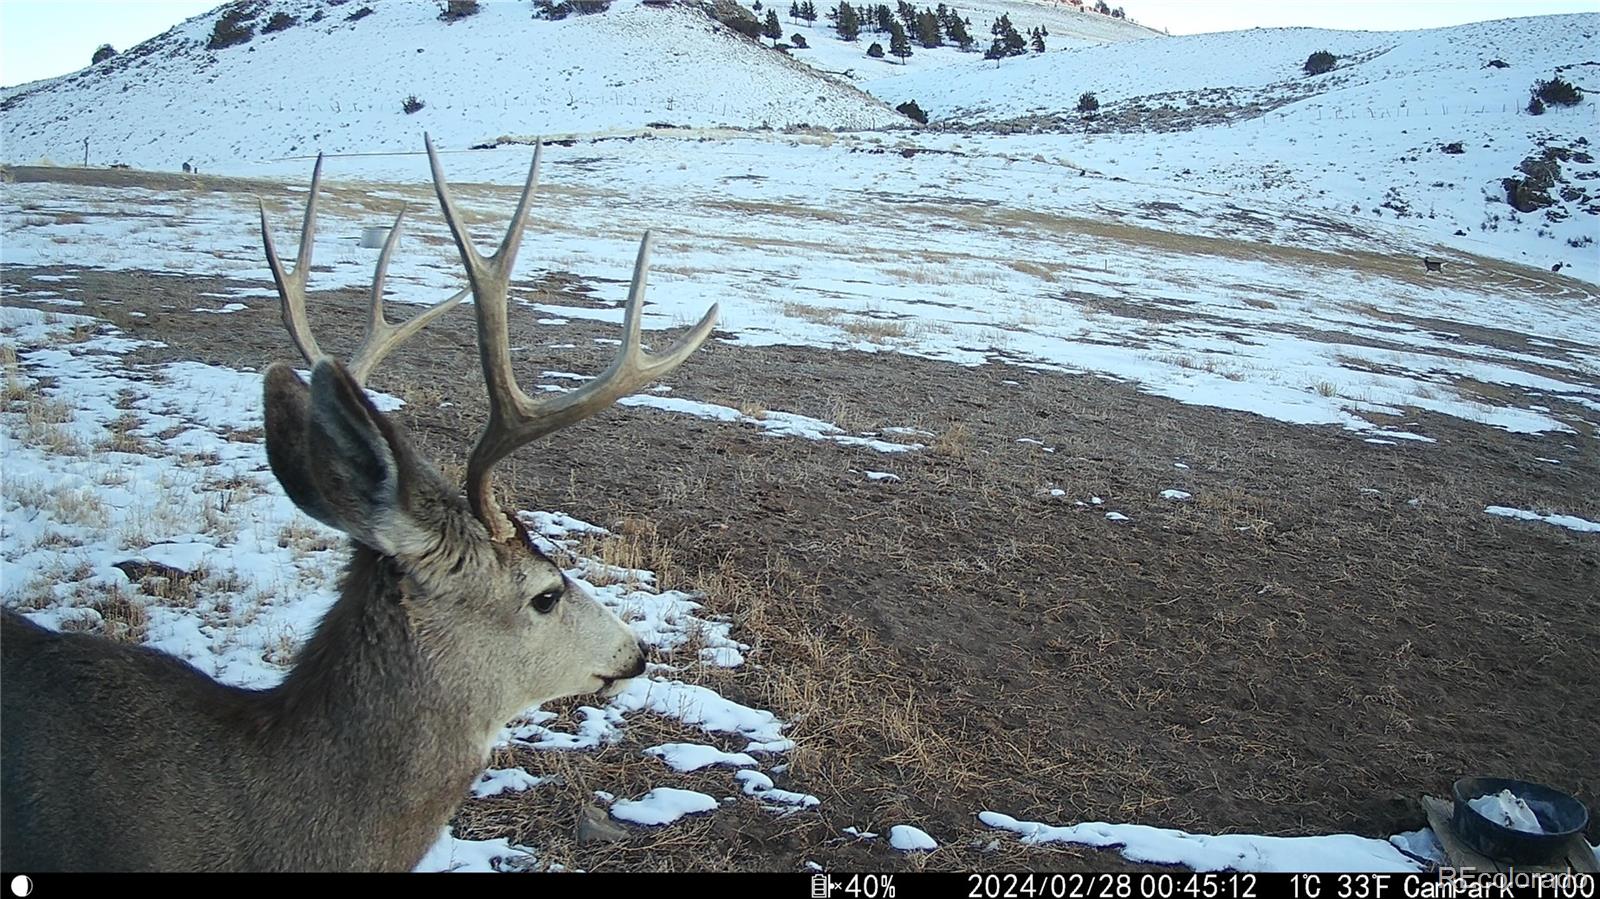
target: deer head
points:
(475, 588)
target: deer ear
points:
(339, 459)
(287, 401)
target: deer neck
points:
(369, 719)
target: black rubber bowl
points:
(1560, 815)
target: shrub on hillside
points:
(1558, 92)
(750, 28)
(912, 111)
(233, 27)
(1535, 105)
(411, 104)
(798, 40)
(458, 9)
(875, 51)
(1319, 62)
(359, 14)
(1088, 102)
(102, 53)
(280, 21)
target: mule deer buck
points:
(448, 624)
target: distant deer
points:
(448, 624)
(1433, 265)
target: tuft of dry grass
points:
(1042, 272)
(875, 329)
(822, 315)
(635, 544)
(121, 439)
(123, 618)
(44, 423)
(953, 442)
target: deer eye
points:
(546, 601)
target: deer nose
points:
(638, 661)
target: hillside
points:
(1067, 27)
(337, 84)
(1415, 126)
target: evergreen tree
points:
(1006, 38)
(773, 29)
(847, 22)
(1038, 40)
(899, 45)
(794, 11)
(928, 29)
(756, 6)
(957, 30)
(907, 14)
(882, 18)
(808, 11)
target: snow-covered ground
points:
(976, 257)
(1220, 266)
(110, 463)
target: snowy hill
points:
(1068, 26)
(1381, 70)
(336, 80)
(1415, 126)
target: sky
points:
(44, 38)
(1195, 16)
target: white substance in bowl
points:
(1507, 810)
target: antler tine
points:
(514, 418)
(381, 336)
(292, 285)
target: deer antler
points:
(382, 336)
(515, 418)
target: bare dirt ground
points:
(1327, 631)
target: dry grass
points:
(121, 439)
(306, 537)
(875, 329)
(954, 442)
(634, 545)
(1042, 272)
(822, 315)
(44, 419)
(123, 618)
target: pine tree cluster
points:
(1007, 42)
(929, 27)
(803, 12)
